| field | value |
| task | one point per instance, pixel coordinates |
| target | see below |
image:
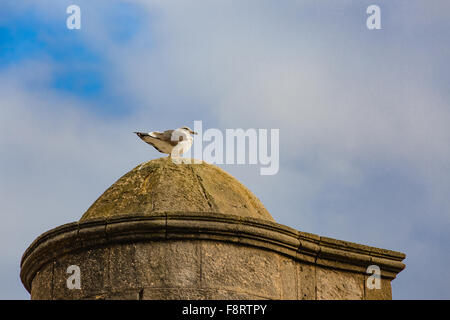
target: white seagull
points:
(174, 142)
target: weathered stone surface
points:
(169, 264)
(226, 194)
(306, 279)
(223, 294)
(124, 295)
(196, 294)
(196, 261)
(167, 231)
(241, 269)
(162, 186)
(288, 278)
(93, 265)
(42, 287)
(384, 293)
(338, 285)
(175, 294)
(122, 271)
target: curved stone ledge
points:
(263, 234)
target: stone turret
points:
(168, 231)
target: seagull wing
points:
(158, 140)
(167, 136)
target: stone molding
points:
(301, 246)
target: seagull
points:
(177, 141)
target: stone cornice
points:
(264, 234)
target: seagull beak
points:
(193, 132)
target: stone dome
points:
(160, 185)
(169, 231)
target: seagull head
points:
(188, 130)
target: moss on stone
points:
(162, 186)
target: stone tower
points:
(168, 231)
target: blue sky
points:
(363, 115)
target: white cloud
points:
(346, 101)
